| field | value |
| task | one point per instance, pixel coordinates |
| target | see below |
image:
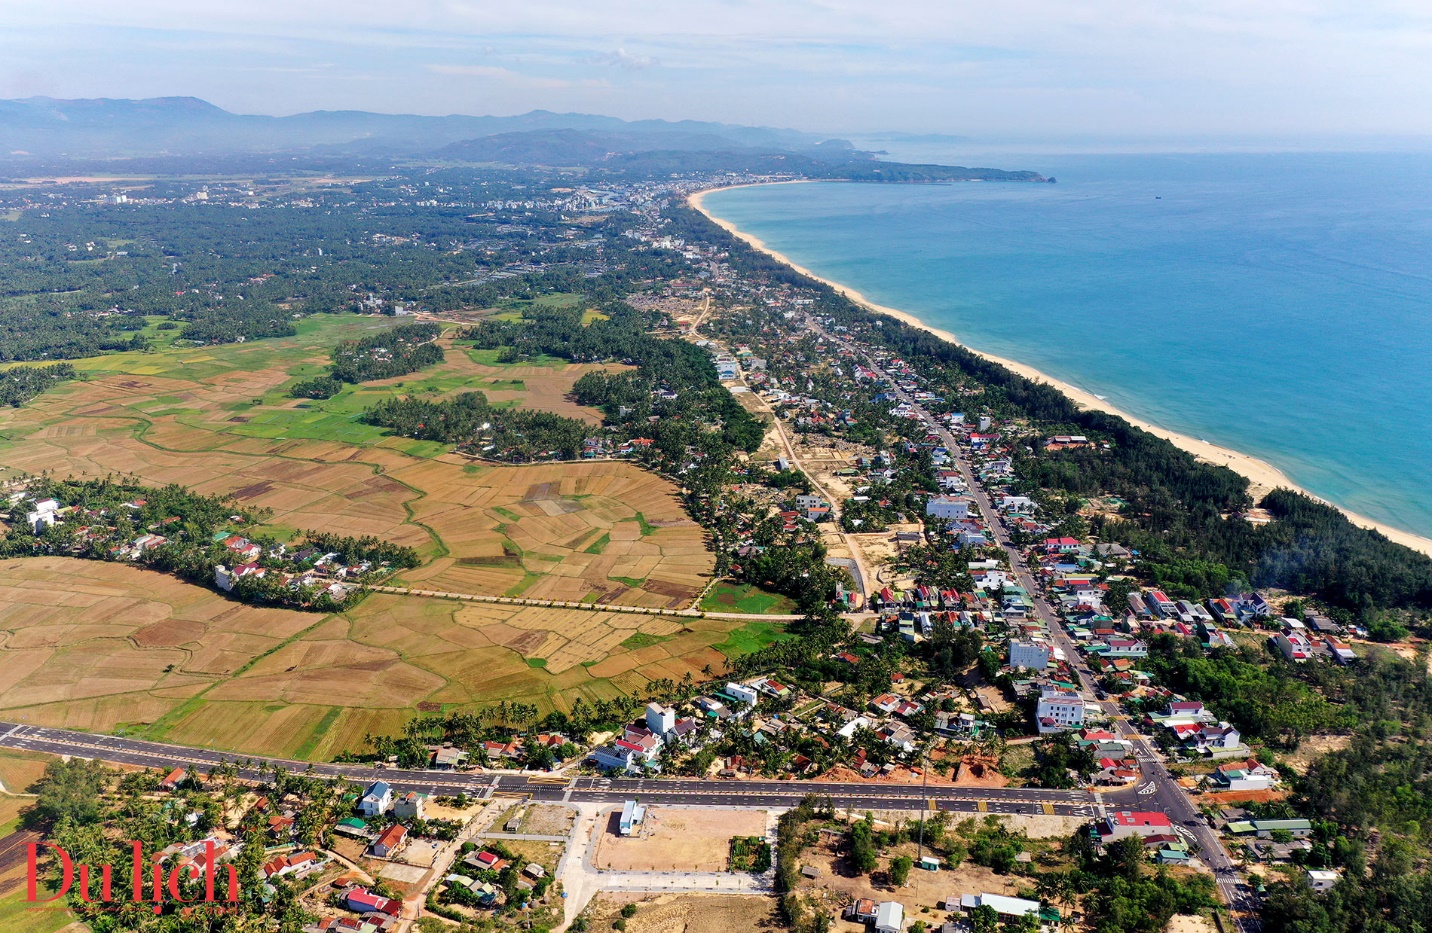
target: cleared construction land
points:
(676, 839)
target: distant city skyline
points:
(1025, 69)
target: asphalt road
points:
(671, 791)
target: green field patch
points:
(646, 527)
(632, 582)
(751, 638)
(522, 585)
(508, 514)
(644, 640)
(305, 750)
(598, 545)
(539, 663)
(744, 597)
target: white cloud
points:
(621, 58)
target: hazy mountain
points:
(104, 127)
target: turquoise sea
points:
(1279, 305)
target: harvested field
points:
(676, 839)
(607, 532)
(20, 769)
(687, 913)
(96, 646)
(78, 634)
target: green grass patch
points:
(597, 546)
(644, 640)
(646, 527)
(744, 597)
(751, 638)
(522, 585)
(319, 731)
(539, 663)
(632, 582)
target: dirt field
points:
(20, 769)
(837, 885)
(676, 839)
(543, 820)
(687, 913)
(1185, 923)
(1313, 748)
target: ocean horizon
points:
(1278, 305)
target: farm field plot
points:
(92, 645)
(221, 422)
(108, 646)
(103, 646)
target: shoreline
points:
(1263, 476)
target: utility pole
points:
(924, 802)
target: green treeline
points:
(171, 529)
(397, 351)
(19, 384)
(515, 435)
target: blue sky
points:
(1012, 69)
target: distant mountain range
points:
(168, 126)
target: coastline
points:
(1263, 476)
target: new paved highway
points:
(671, 791)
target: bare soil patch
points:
(687, 913)
(676, 839)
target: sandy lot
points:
(676, 839)
(688, 913)
(1314, 748)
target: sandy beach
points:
(1263, 475)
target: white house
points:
(1015, 503)
(1116, 826)
(948, 507)
(1032, 655)
(376, 800)
(1059, 710)
(1322, 880)
(741, 692)
(660, 719)
(632, 815)
(889, 917)
(1008, 908)
(1293, 646)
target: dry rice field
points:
(604, 532)
(102, 646)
